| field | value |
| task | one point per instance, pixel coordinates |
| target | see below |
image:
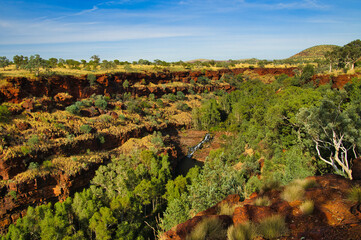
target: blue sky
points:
(174, 30)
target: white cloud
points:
(56, 32)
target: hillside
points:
(317, 207)
(315, 52)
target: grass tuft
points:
(307, 207)
(292, 193)
(246, 231)
(272, 227)
(226, 209)
(262, 201)
(305, 183)
(208, 228)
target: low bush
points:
(307, 207)
(73, 109)
(85, 128)
(246, 231)
(33, 165)
(272, 227)
(4, 113)
(33, 140)
(208, 228)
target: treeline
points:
(345, 57)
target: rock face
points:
(334, 216)
(19, 88)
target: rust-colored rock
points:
(334, 216)
(22, 126)
(63, 99)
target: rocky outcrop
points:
(336, 81)
(19, 88)
(334, 216)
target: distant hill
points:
(315, 52)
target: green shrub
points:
(48, 165)
(180, 95)
(105, 118)
(85, 128)
(125, 84)
(203, 80)
(307, 207)
(262, 201)
(355, 194)
(252, 185)
(92, 79)
(269, 184)
(4, 113)
(160, 103)
(33, 165)
(122, 117)
(73, 109)
(13, 194)
(33, 140)
(183, 107)
(246, 231)
(208, 228)
(151, 97)
(25, 150)
(100, 103)
(101, 139)
(272, 227)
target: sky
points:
(173, 30)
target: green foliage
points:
(92, 79)
(216, 181)
(207, 116)
(4, 114)
(25, 150)
(177, 212)
(33, 140)
(33, 166)
(13, 194)
(73, 109)
(125, 83)
(100, 102)
(183, 107)
(85, 128)
(101, 223)
(4, 62)
(203, 80)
